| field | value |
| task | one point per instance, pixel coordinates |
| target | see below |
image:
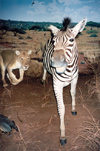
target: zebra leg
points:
(58, 89)
(44, 76)
(73, 93)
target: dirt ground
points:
(33, 108)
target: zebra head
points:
(64, 44)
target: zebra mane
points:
(65, 23)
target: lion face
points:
(23, 58)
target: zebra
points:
(60, 58)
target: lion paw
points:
(5, 85)
(12, 81)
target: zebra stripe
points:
(47, 55)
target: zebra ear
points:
(79, 27)
(53, 29)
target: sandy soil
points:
(33, 107)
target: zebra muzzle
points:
(61, 70)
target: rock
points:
(35, 70)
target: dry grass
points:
(22, 140)
(45, 98)
(94, 84)
(88, 136)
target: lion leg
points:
(21, 72)
(12, 78)
(12, 81)
(3, 72)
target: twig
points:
(22, 139)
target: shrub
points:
(35, 28)
(84, 29)
(93, 35)
(28, 37)
(20, 31)
(4, 27)
(91, 31)
(20, 37)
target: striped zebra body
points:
(60, 59)
(47, 55)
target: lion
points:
(10, 60)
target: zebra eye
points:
(71, 40)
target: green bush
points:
(93, 35)
(91, 31)
(84, 29)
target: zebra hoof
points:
(74, 113)
(63, 141)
